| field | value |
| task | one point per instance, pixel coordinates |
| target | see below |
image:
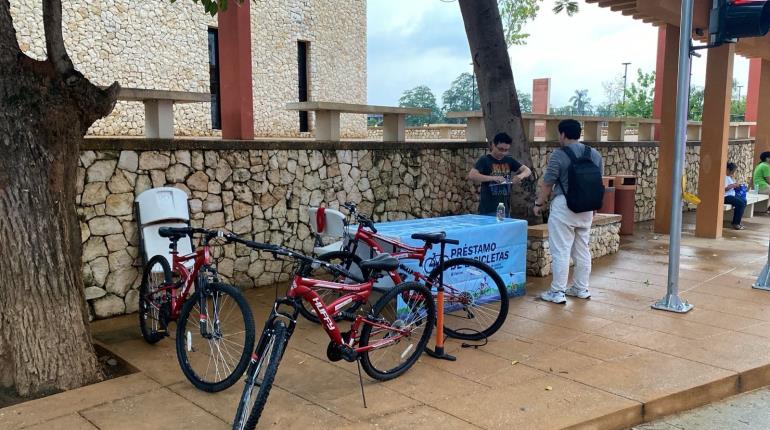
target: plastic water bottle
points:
(500, 211)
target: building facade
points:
(310, 48)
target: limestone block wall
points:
(163, 45)
(336, 30)
(260, 193)
(605, 240)
(641, 159)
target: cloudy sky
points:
(415, 42)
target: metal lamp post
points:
(625, 82)
(671, 301)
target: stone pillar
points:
(660, 66)
(762, 142)
(541, 96)
(667, 97)
(236, 94)
(714, 135)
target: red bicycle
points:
(387, 340)
(475, 297)
(215, 327)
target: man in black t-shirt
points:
(496, 172)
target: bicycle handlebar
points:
(279, 250)
(361, 218)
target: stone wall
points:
(262, 188)
(605, 240)
(641, 159)
(163, 45)
(261, 193)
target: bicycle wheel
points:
(213, 360)
(153, 302)
(349, 261)
(475, 298)
(260, 377)
(407, 307)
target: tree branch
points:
(54, 41)
(9, 46)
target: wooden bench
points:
(327, 118)
(760, 200)
(159, 108)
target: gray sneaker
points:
(580, 294)
(554, 297)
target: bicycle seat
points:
(173, 233)
(381, 262)
(437, 237)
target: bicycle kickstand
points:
(438, 351)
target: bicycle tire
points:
(152, 331)
(217, 346)
(247, 415)
(384, 307)
(352, 263)
(453, 319)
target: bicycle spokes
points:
(215, 336)
(397, 330)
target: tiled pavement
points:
(606, 363)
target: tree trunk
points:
(497, 92)
(46, 108)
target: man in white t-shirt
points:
(739, 205)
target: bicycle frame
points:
(402, 251)
(303, 289)
(187, 277)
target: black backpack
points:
(586, 190)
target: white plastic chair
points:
(162, 207)
(334, 227)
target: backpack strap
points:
(587, 152)
(572, 159)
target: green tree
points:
(738, 110)
(462, 95)
(581, 103)
(696, 104)
(525, 101)
(613, 93)
(640, 96)
(515, 14)
(422, 97)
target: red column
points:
(541, 96)
(752, 94)
(657, 103)
(237, 97)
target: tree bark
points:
(46, 108)
(497, 92)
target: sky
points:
(423, 42)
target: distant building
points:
(173, 46)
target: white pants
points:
(568, 235)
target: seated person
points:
(739, 205)
(762, 175)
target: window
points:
(303, 48)
(216, 109)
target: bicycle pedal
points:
(348, 316)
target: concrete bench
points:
(475, 130)
(592, 126)
(759, 200)
(327, 118)
(159, 108)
